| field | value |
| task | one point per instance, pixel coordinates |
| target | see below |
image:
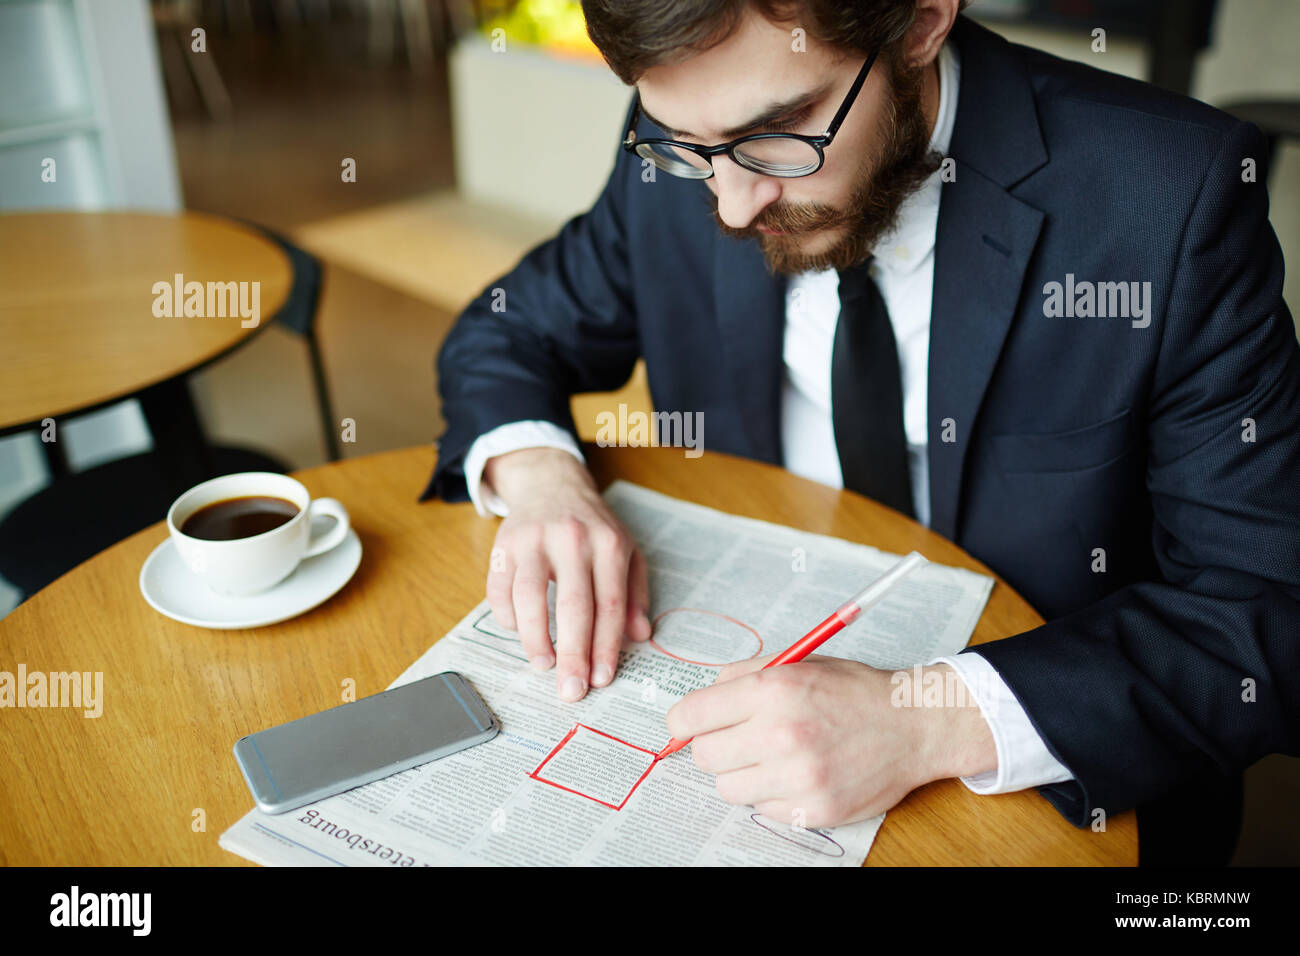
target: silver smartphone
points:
(320, 755)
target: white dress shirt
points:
(904, 272)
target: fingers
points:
(723, 751)
(601, 588)
(712, 708)
(741, 668)
(610, 561)
(574, 610)
(638, 603)
(750, 786)
(532, 617)
(500, 581)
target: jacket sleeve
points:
(562, 321)
(1165, 682)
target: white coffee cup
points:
(261, 561)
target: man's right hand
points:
(560, 528)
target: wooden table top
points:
(123, 788)
(77, 314)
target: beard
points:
(904, 163)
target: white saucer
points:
(173, 590)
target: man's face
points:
(833, 218)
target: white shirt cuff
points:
(1023, 758)
(506, 438)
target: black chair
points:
(80, 514)
(299, 316)
(1174, 31)
(1277, 119)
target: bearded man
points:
(1034, 305)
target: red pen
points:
(840, 618)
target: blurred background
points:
(475, 130)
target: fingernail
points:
(602, 675)
(543, 662)
(572, 688)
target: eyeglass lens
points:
(775, 156)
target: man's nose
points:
(742, 194)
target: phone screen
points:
(323, 754)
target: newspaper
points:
(577, 783)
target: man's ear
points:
(933, 20)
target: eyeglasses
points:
(786, 155)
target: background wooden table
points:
(123, 789)
(76, 317)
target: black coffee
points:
(238, 518)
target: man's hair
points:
(634, 35)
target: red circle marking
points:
(700, 610)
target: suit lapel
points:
(984, 241)
(985, 238)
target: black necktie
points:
(867, 395)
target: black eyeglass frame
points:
(818, 142)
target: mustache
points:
(792, 218)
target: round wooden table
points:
(124, 788)
(77, 318)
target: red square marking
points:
(573, 770)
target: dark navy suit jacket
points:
(1177, 666)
